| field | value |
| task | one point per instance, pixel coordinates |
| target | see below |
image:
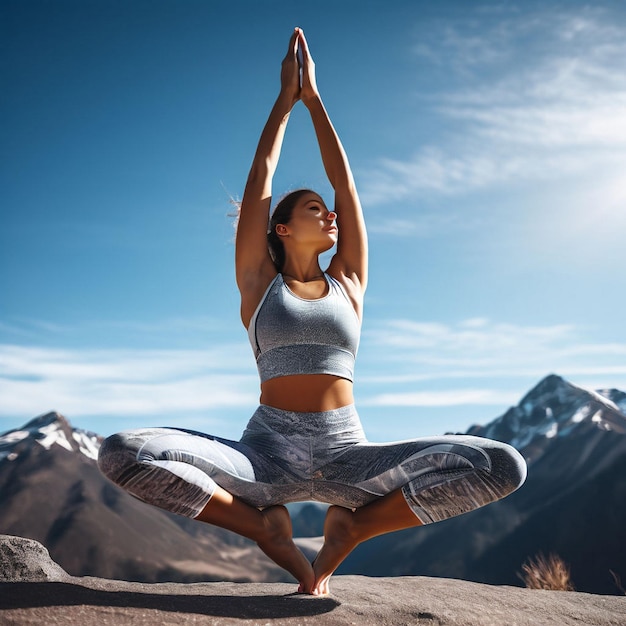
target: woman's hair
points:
(281, 215)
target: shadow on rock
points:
(28, 595)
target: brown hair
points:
(282, 215)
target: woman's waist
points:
(307, 392)
(336, 427)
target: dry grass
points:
(547, 573)
(618, 582)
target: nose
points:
(332, 216)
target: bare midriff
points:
(307, 392)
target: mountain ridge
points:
(572, 504)
(573, 438)
(40, 592)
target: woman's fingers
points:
(303, 43)
(293, 44)
(290, 71)
(298, 68)
(307, 62)
(309, 86)
(292, 51)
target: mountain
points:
(52, 491)
(573, 503)
(555, 409)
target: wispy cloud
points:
(478, 361)
(475, 362)
(450, 397)
(484, 343)
(543, 98)
(124, 382)
(171, 327)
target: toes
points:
(322, 588)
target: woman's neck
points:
(304, 273)
(307, 279)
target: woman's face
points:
(311, 223)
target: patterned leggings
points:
(285, 456)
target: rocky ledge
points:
(35, 590)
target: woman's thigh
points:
(178, 469)
(440, 476)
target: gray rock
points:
(359, 600)
(27, 560)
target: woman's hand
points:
(290, 70)
(308, 89)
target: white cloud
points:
(397, 354)
(450, 397)
(546, 101)
(470, 341)
(124, 382)
(118, 365)
(199, 325)
(477, 362)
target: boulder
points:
(26, 560)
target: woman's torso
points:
(287, 314)
(307, 392)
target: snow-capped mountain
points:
(573, 503)
(48, 430)
(51, 490)
(554, 409)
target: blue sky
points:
(488, 141)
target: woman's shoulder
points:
(253, 292)
(351, 288)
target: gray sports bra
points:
(290, 335)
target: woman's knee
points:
(507, 463)
(117, 453)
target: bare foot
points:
(280, 547)
(339, 540)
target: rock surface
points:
(354, 600)
(27, 560)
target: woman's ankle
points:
(276, 525)
(341, 525)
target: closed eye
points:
(317, 210)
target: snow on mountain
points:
(572, 504)
(616, 396)
(93, 528)
(48, 430)
(555, 408)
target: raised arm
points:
(253, 265)
(350, 260)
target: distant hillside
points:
(573, 504)
(52, 491)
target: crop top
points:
(291, 335)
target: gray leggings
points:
(284, 456)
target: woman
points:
(305, 441)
